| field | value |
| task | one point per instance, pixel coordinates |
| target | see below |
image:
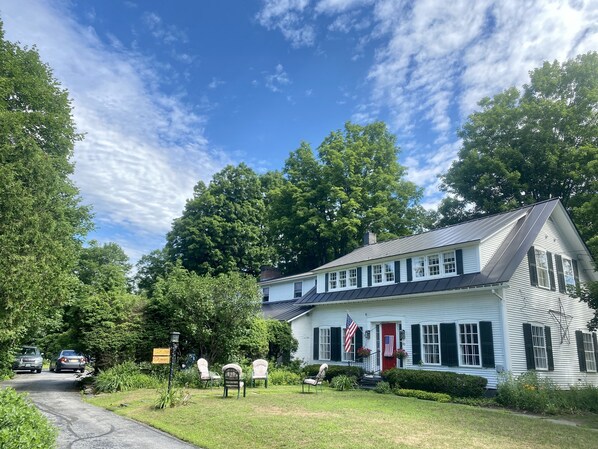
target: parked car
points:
(67, 359)
(29, 358)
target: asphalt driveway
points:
(84, 426)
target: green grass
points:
(282, 417)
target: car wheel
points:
(32, 371)
(82, 370)
(38, 370)
(56, 370)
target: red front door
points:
(388, 345)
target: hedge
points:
(453, 384)
(22, 426)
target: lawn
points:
(282, 417)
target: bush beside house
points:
(458, 385)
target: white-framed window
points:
(569, 274)
(542, 268)
(332, 282)
(325, 343)
(350, 355)
(434, 265)
(353, 277)
(266, 294)
(383, 273)
(431, 344)
(342, 279)
(298, 289)
(588, 347)
(469, 345)
(539, 344)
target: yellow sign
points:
(161, 356)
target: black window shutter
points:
(529, 346)
(416, 350)
(487, 344)
(316, 343)
(397, 271)
(548, 338)
(533, 274)
(575, 272)
(369, 275)
(459, 257)
(409, 270)
(449, 355)
(358, 277)
(550, 270)
(560, 274)
(359, 338)
(335, 344)
(595, 346)
(581, 354)
(326, 282)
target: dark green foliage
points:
(22, 426)
(383, 387)
(172, 398)
(532, 393)
(124, 377)
(281, 342)
(281, 376)
(222, 227)
(322, 207)
(214, 314)
(41, 220)
(343, 383)
(453, 384)
(426, 395)
(334, 370)
(532, 145)
(588, 293)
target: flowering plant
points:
(400, 353)
(364, 352)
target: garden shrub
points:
(582, 398)
(453, 384)
(22, 426)
(383, 388)
(334, 370)
(343, 383)
(171, 398)
(280, 376)
(419, 394)
(123, 377)
(188, 378)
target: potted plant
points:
(363, 352)
(400, 354)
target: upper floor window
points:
(266, 294)
(542, 268)
(298, 290)
(332, 281)
(569, 274)
(383, 273)
(342, 279)
(353, 277)
(433, 265)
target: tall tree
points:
(326, 203)
(41, 219)
(222, 226)
(531, 145)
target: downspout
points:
(504, 327)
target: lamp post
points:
(174, 342)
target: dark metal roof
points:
(499, 269)
(285, 310)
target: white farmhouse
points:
(481, 297)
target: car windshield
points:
(69, 353)
(28, 351)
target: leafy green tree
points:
(588, 293)
(222, 226)
(149, 268)
(281, 342)
(531, 145)
(41, 219)
(214, 314)
(326, 203)
(104, 267)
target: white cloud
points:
(286, 16)
(275, 81)
(143, 150)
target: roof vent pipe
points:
(369, 238)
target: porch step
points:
(368, 382)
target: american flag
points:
(349, 332)
(389, 345)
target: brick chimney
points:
(267, 273)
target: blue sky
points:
(168, 93)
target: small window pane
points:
(449, 262)
(469, 344)
(298, 289)
(353, 277)
(569, 276)
(324, 343)
(389, 272)
(332, 284)
(342, 279)
(431, 344)
(266, 294)
(419, 264)
(539, 343)
(542, 268)
(377, 274)
(588, 346)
